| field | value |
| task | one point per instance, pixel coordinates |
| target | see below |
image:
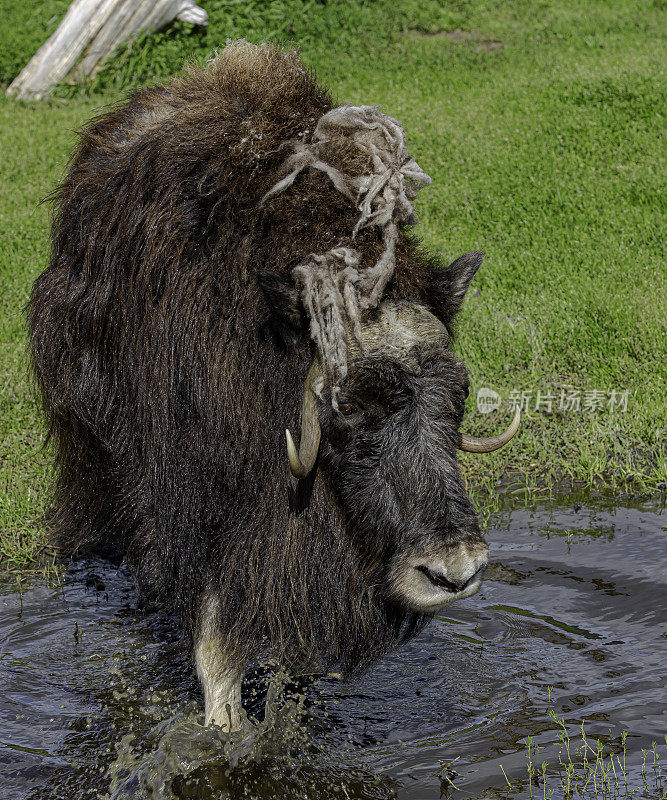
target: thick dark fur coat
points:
(170, 352)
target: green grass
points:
(589, 769)
(582, 767)
(26, 25)
(540, 124)
(34, 142)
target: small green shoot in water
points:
(587, 772)
(448, 773)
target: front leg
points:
(222, 686)
(219, 676)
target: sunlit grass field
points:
(542, 126)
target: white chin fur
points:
(418, 580)
(419, 594)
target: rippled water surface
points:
(96, 701)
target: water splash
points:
(275, 757)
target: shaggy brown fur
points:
(170, 350)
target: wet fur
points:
(170, 350)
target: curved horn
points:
(301, 463)
(472, 444)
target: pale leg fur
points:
(222, 686)
(220, 679)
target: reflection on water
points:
(96, 700)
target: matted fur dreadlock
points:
(335, 286)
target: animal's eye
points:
(347, 408)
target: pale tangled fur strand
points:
(335, 288)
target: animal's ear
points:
(282, 299)
(448, 285)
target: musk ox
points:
(231, 257)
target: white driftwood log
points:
(94, 28)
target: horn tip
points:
(474, 444)
(295, 464)
(291, 449)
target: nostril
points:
(439, 579)
(476, 577)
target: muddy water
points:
(95, 700)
